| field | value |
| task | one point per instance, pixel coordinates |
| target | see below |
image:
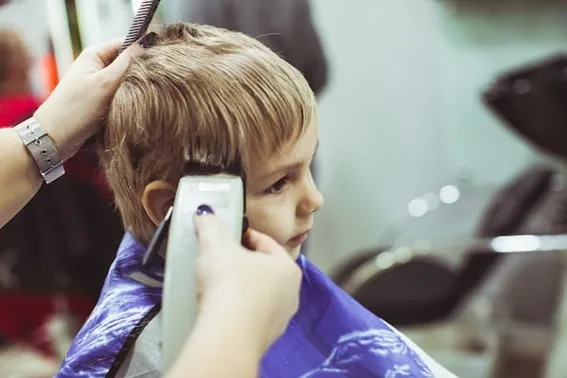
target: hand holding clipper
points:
(223, 194)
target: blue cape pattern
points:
(330, 336)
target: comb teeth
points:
(141, 22)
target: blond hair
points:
(198, 94)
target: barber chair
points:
(417, 298)
(531, 101)
(464, 315)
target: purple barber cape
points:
(330, 336)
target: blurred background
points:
(441, 131)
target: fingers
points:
(105, 52)
(211, 232)
(108, 51)
(116, 70)
(260, 242)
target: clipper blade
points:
(141, 22)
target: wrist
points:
(41, 148)
(56, 131)
(214, 340)
(32, 173)
(235, 317)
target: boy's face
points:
(281, 195)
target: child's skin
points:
(281, 195)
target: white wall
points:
(402, 115)
(379, 119)
(103, 20)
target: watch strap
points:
(42, 149)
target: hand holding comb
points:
(139, 26)
(142, 21)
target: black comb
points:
(141, 22)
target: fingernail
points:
(204, 209)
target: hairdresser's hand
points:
(75, 110)
(257, 287)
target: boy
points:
(286, 27)
(203, 95)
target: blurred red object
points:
(24, 317)
(14, 110)
(83, 167)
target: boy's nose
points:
(312, 201)
(316, 200)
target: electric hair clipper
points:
(222, 193)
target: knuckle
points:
(88, 51)
(106, 83)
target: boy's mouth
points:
(298, 239)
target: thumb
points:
(211, 231)
(114, 72)
(257, 241)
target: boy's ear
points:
(157, 198)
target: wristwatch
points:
(42, 149)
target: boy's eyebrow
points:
(287, 167)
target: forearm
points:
(219, 348)
(19, 176)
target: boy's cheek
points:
(262, 224)
(267, 218)
(264, 227)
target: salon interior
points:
(442, 160)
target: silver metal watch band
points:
(42, 149)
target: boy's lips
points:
(299, 239)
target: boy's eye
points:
(278, 186)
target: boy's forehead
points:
(295, 152)
(268, 163)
